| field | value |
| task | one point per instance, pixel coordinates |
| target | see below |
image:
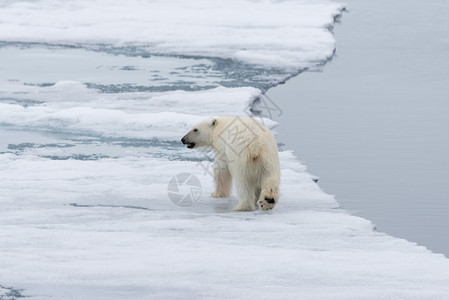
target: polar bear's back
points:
(247, 139)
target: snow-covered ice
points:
(305, 249)
(289, 34)
(87, 151)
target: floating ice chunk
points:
(282, 34)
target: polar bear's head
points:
(200, 134)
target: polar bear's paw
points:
(266, 203)
(243, 207)
(219, 195)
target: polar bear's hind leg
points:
(245, 193)
(269, 195)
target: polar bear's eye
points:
(195, 130)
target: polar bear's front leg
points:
(223, 183)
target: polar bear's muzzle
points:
(190, 145)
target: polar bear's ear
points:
(213, 122)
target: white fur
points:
(245, 153)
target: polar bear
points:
(246, 153)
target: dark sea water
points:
(374, 125)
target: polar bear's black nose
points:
(183, 140)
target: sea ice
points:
(84, 171)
